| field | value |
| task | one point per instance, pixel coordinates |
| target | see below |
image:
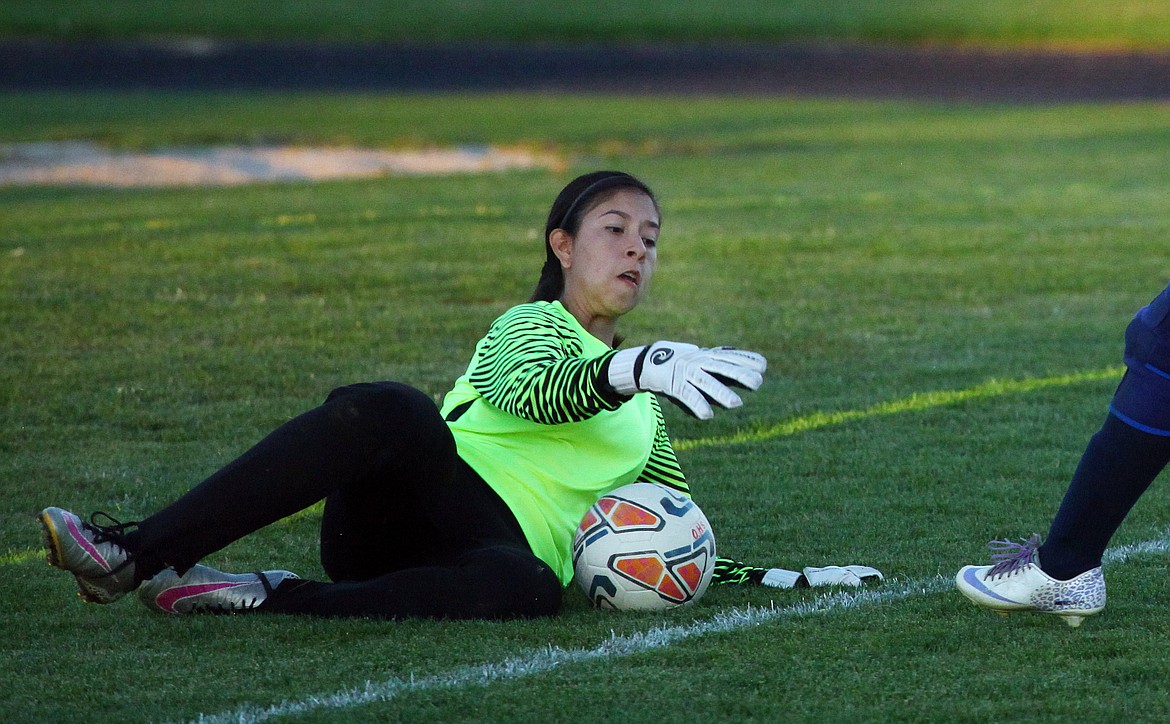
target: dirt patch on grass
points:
(87, 164)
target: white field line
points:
(543, 660)
(547, 659)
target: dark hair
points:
(576, 199)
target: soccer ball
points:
(643, 547)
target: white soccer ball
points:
(643, 547)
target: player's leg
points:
(1063, 576)
(358, 428)
(417, 534)
(490, 582)
(408, 516)
(1124, 457)
(396, 546)
(445, 546)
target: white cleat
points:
(1016, 583)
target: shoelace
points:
(114, 533)
(1010, 556)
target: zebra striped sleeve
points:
(663, 465)
(529, 365)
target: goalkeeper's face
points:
(608, 264)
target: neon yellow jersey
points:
(533, 417)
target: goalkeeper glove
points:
(840, 575)
(728, 571)
(691, 377)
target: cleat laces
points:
(1011, 557)
(114, 533)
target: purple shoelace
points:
(1009, 556)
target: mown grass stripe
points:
(544, 660)
(917, 402)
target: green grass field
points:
(941, 292)
(1084, 23)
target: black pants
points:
(409, 530)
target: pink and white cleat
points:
(204, 589)
(94, 554)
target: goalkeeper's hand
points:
(691, 377)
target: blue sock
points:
(1118, 465)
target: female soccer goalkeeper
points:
(466, 511)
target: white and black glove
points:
(815, 577)
(691, 377)
(733, 572)
(840, 575)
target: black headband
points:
(590, 189)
